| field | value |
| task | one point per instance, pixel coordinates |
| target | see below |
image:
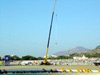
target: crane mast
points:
(50, 32)
(45, 61)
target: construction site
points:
(76, 66)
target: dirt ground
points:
(39, 67)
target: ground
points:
(39, 67)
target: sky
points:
(25, 24)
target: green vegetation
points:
(98, 47)
(28, 57)
(93, 56)
(95, 53)
(15, 57)
(90, 54)
(62, 57)
(40, 58)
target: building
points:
(50, 56)
(80, 58)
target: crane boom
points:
(50, 32)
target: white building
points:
(50, 56)
(80, 58)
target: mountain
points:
(95, 52)
(78, 49)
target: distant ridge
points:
(78, 49)
(94, 53)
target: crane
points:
(45, 62)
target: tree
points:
(40, 58)
(52, 58)
(64, 57)
(15, 57)
(29, 57)
(0, 58)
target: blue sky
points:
(24, 26)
